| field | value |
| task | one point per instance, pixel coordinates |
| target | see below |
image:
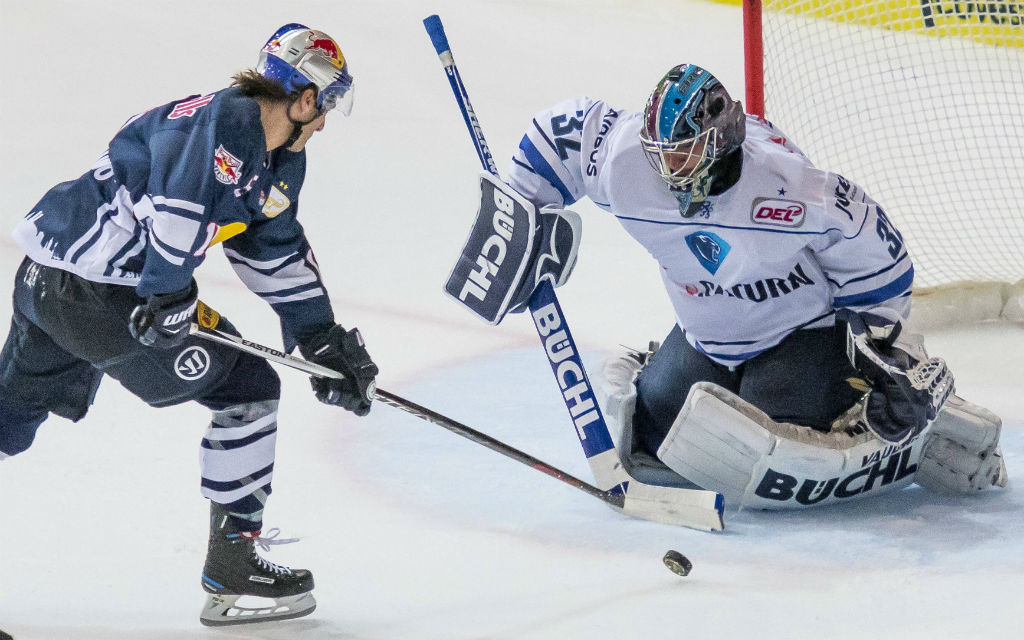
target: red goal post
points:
(922, 103)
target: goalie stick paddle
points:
(614, 499)
(694, 508)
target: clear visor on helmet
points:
(337, 96)
(683, 161)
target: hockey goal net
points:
(922, 103)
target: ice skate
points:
(243, 587)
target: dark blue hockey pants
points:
(68, 332)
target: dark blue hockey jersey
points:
(175, 181)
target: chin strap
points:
(296, 125)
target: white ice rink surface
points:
(411, 531)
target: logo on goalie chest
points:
(777, 213)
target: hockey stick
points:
(687, 507)
(273, 355)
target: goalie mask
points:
(690, 122)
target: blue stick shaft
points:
(573, 382)
(440, 41)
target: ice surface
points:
(413, 532)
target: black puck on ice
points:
(677, 563)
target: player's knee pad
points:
(961, 453)
(237, 456)
(725, 444)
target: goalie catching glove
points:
(344, 352)
(511, 249)
(905, 394)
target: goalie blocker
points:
(512, 248)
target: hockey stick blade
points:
(685, 507)
(694, 508)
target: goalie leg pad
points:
(961, 454)
(617, 394)
(725, 444)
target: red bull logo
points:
(325, 47)
(226, 167)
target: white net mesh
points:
(922, 103)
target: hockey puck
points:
(677, 563)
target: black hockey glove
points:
(163, 320)
(344, 352)
(905, 394)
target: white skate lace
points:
(264, 542)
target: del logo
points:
(276, 203)
(226, 167)
(777, 213)
(709, 249)
(192, 363)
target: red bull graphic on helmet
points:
(325, 47)
(226, 167)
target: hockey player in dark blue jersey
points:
(106, 288)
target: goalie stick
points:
(694, 508)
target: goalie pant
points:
(68, 332)
(805, 380)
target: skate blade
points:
(224, 610)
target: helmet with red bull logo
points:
(297, 57)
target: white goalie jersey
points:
(777, 251)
